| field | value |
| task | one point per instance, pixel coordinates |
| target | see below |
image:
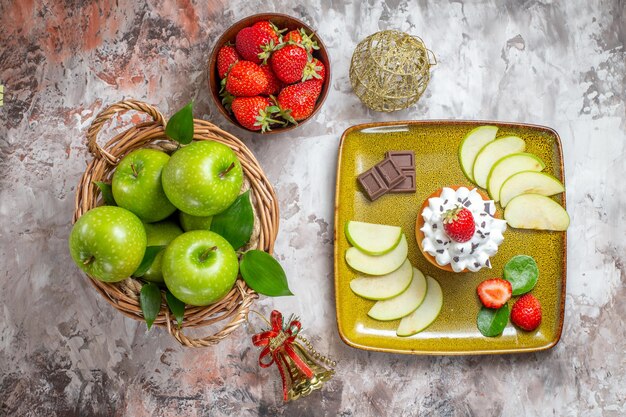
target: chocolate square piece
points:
(390, 172)
(372, 184)
(406, 186)
(403, 159)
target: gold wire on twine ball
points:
(390, 70)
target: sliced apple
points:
(385, 286)
(492, 153)
(378, 265)
(371, 238)
(403, 304)
(507, 166)
(426, 313)
(471, 144)
(535, 211)
(529, 182)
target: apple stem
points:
(88, 260)
(227, 170)
(204, 255)
(132, 166)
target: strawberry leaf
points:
(150, 301)
(180, 125)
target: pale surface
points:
(65, 352)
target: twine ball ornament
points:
(390, 70)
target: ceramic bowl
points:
(282, 21)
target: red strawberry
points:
(247, 79)
(494, 293)
(254, 44)
(293, 36)
(459, 224)
(314, 70)
(226, 57)
(297, 101)
(274, 85)
(526, 312)
(269, 28)
(300, 37)
(254, 113)
(288, 63)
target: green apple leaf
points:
(522, 272)
(235, 224)
(148, 257)
(150, 300)
(491, 322)
(176, 306)
(180, 125)
(264, 274)
(107, 193)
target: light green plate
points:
(435, 144)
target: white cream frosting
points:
(473, 254)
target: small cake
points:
(457, 229)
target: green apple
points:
(378, 265)
(199, 267)
(189, 222)
(373, 239)
(534, 211)
(471, 144)
(159, 234)
(529, 182)
(509, 165)
(108, 243)
(403, 304)
(203, 178)
(426, 313)
(492, 153)
(137, 185)
(385, 286)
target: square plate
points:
(454, 332)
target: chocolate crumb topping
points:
(439, 251)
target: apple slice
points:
(373, 239)
(492, 153)
(535, 211)
(403, 304)
(471, 144)
(426, 313)
(529, 182)
(507, 166)
(384, 286)
(378, 265)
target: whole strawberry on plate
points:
(254, 113)
(458, 223)
(297, 101)
(288, 63)
(246, 79)
(526, 312)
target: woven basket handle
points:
(235, 321)
(106, 115)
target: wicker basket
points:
(230, 312)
